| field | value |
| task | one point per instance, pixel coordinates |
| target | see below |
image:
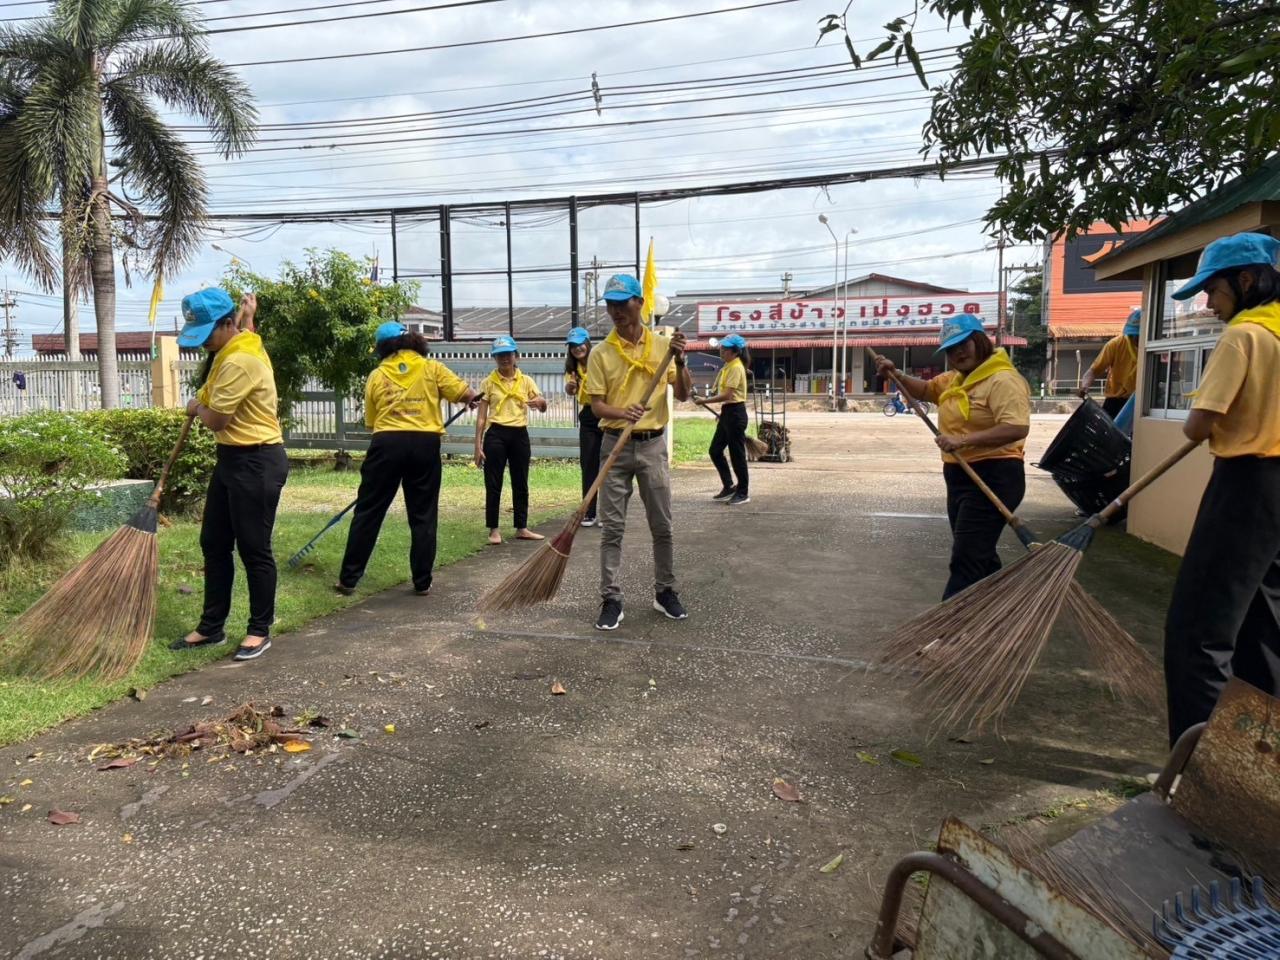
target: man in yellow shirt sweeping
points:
(1119, 359)
(618, 372)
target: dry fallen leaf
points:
(389, 728)
(785, 791)
(868, 758)
(138, 694)
(206, 701)
(832, 865)
(119, 763)
(26, 783)
(25, 808)
(557, 689)
(60, 818)
(127, 838)
(988, 761)
(296, 746)
(5, 801)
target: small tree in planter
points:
(317, 321)
(47, 460)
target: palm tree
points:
(79, 86)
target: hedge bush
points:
(46, 462)
(146, 438)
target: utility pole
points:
(10, 332)
(786, 285)
(1017, 268)
(1000, 302)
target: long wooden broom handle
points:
(1010, 517)
(1135, 488)
(658, 377)
(154, 499)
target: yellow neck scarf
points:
(723, 371)
(1267, 315)
(998, 362)
(242, 342)
(644, 363)
(510, 389)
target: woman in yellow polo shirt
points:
(1224, 617)
(984, 414)
(402, 407)
(502, 437)
(731, 428)
(1119, 359)
(238, 403)
(578, 344)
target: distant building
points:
(127, 342)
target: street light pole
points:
(235, 258)
(835, 284)
(844, 305)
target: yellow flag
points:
(649, 285)
(157, 294)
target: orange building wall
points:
(1087, 314)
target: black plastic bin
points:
(1089, 458)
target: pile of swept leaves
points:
(245, 730)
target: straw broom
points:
(1126, 668)
(984, 641)
(98, 617)
(537, 580)
(756, 447)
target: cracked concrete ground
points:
(499, 821)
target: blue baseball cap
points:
(957, 330)
(202, 311)
(389, 331)
(578, 336)
(1226, 253)
(734, 342)
(503, 344)
(622, 286)
(1132, 326)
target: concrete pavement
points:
(500, 821)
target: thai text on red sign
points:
(863, 313)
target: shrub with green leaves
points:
(46, 462)
(146, 438)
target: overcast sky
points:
(646, 137)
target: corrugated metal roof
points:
(1261, 186)
(1084, 331)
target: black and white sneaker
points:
(252, 653)
(610, 615)
(726, 494)
(669, 605)
(588, 521)
(739, 499)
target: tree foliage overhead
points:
(318, 319)
(1108, 111)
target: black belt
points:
(638, 435)
(246, 447)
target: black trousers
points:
(731, 434)
(506, 447)
(976, 524)
(396, 458)
(239, 514)
(589, 437)
(1224, 619)
(1113, 405)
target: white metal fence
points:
(44, 383)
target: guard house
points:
(1177, 339)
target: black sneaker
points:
(739, 498)
(725, 494)
(343, 589)
(250, 653)
(610, 615)
(669, 605)
(210, 641)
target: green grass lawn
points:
(310, 498)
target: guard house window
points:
(1181, 336)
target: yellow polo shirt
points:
(1120, 359)
(1240, 382)
(509, 399)
(619, 372)
(582, 396)
(733, 376)
(242, 383)
(404, 392)
(1003, 397)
